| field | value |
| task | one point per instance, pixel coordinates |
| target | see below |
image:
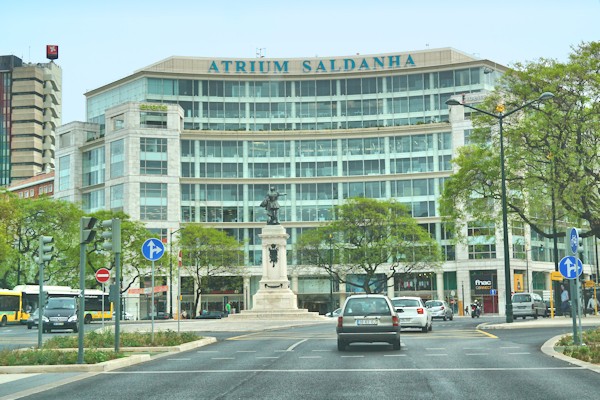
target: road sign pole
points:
(152, 305)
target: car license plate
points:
(59, 323)
(367, 322)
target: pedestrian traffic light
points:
(112, 235)
(580, 242)
(87, 232)
(45, 250)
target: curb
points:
(548, 349)
(112, 364)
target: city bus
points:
(10, 307)
(93, 301)
(31, 297)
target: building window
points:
(64, 173)
(93, 167)
(118, 122)
(93, 201)
(153, 156)
(156, 120)
(116, 197)
(117, 158)
(153, 201)
(481, 240)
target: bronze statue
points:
(271, 204)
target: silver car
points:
(413, 313)
(368, 318)
(528, 305)
(440, 309)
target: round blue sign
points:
(153, 249)
(570, 267)
(574, 240)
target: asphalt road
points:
(455, 361)
(18, 336)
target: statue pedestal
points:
(274, 298)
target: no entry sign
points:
(102, 275)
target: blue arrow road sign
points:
(574, 240)
(153, 249)
(570, 267)
(493, 292)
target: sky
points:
(101, 42)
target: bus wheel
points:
(87, 319)
(3, 322)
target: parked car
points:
(159, 315)
(528, 305)
(125, 316)
(33, 319)
(336, 313)
(413, 313)
(368, 318)
(211, 315)
(440, 309)
(60, 313)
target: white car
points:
(336, 313)
(413, 313)
(125, 316)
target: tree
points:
(23, 222)
(370, 238)
(209, 252)
(551, 152)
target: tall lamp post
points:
(171, 273)
(500, 117)
(331, 273)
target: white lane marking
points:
(246, 351)
(292, 347)
(394, 355)
(338, 370)
(353, 356)
(323, 350)
(267, 358)
(510, 347)
(223, 358)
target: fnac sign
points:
(483, 284)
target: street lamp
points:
(171, 273)
(500, 117)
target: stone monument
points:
(274, 298)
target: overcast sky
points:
(103, 41)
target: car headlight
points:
(72, 318)
(45, 319)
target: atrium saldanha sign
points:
(313, 66)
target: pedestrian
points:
(564, 300)
(466, 310)
(592, 305)
(228, 308)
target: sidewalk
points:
(592, 320)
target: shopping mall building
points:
(199, 140)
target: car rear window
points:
(434, 303)
(406, 303)
(366, 306)
(521, 298)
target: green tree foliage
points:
(208, 252)
(24, 221)
(551, 149)
(371, 238)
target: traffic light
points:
(112, 235)
(45, 250)
(87, 232)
